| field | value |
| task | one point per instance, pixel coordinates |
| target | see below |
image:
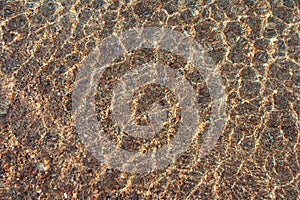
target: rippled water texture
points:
(255, 46)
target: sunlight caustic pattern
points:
(93, 132)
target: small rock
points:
(3, 110)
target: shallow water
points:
(254, 46)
